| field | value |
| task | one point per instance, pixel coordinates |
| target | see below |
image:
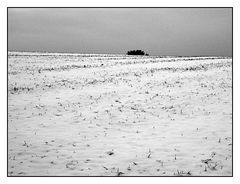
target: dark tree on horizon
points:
(137, 52)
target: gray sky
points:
(158, 31)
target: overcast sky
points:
(158, 31)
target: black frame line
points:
(127, 7)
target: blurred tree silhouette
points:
(137, 52)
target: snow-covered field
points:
(117, 115)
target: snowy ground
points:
(88, 115)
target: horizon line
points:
(126, 54)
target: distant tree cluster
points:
(137, 52)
